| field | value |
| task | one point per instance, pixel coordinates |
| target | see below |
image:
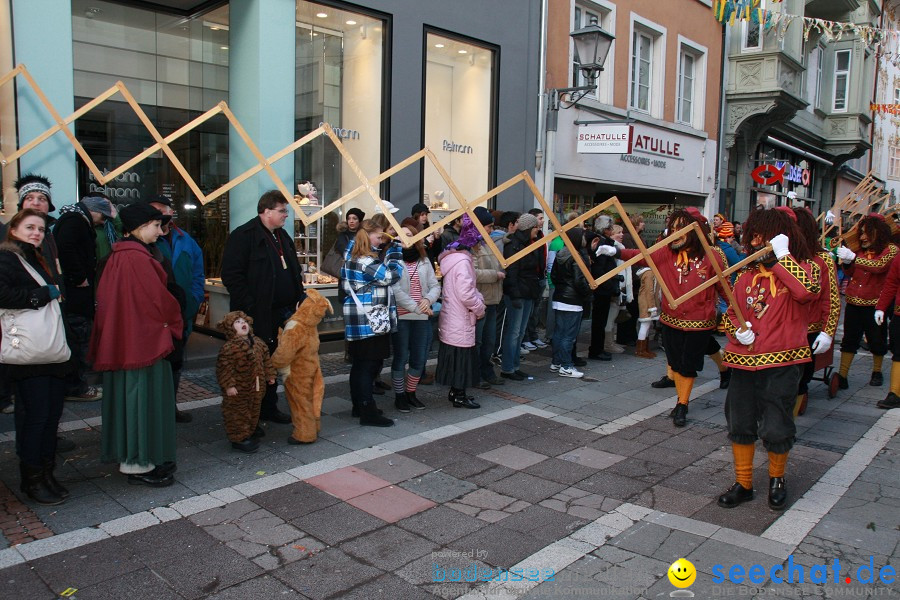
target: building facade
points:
(798, 103)
(663, 75)
(391, 76)
(886, 138)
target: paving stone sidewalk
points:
(586, 479)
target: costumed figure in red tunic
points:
(767, 352)
(687, 329)
(867, 269)
(825, 311)
(889, 300)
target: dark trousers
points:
(685, 349)
(39, 405)
(363, 372)
(761, 404)
(270, 400)
(6, 388)
(78, 336)
(859, 320)
(485, 341)
(565, 331)
(895, 337)
(808, 368)
(599, 316)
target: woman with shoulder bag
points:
(370, 314)
(35, 352)
(416, 291)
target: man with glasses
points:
(263, 277)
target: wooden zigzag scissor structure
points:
(369, 185)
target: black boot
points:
(736, 494)
(777, 493)
(679, 415)
(414, 402)
(355, 412)
(35, 486)
(843, 382)
(877, 379)
(460, 400)
(370, 415)
(50, 479)
(401, 403)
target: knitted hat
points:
(32, 182)
(99, 204)
(137, 214)
(419, 209)
(526, 222)
(469, 236)
(484, 215)
(359, 214)
(725, 230)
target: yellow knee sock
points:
(670, 373)
(846, 360)
(895, 378)
(743, 464)
(717, 358)
(877, 361)
(683, 385)
(777, 463)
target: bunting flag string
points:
(891, 109)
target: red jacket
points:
(825, 311)
(890, 292)
(778, 319)
(136, 317)
(867, 275)
(699, 312)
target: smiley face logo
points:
(682, 573)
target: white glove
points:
(829, 218)
(606, 250)
(745, 337)
(879, 318)
(846, 255)
(821, 343)
(780, 245)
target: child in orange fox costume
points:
(297, 360)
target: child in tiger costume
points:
(297, 359)
(243, 368)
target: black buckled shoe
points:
(461, 400)
(777, 493)
(877, 379)
(843, 383)
(664, 382)
(892, 400)
(679, 415)
(724, 379)
(736, 494)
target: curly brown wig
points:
(679, 219)
(808, 227)
(877, 230)
(771, 222)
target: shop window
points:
(339, 73)
(602, 14)
(691, 90)
(894, 162)
(841, 80)
(176, 69)
(460, 93)
(647, 61)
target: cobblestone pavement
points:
(555, 488)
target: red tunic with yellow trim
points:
(890, 293)
(825, 311)
(775, 302)
(867, 275)
(681, 275)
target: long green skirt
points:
(139, 415)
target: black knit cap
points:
(359, 214)
(135, 215)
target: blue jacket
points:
(187, 264)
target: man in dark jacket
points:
(77, 243)
(603, 294)
(263, 277)
(521, 288)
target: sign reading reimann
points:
(605, 139)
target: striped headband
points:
(33, 186)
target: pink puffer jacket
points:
(462, 303)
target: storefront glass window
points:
(459, 102)
(340, 65)
(176, 69)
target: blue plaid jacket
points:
(371, 280)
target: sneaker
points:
(523, 350)
(554, 368)
(529, 346)
(570, 372)
(539, 343)
(89, 395)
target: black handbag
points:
(332, 263)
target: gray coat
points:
(431, 289)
